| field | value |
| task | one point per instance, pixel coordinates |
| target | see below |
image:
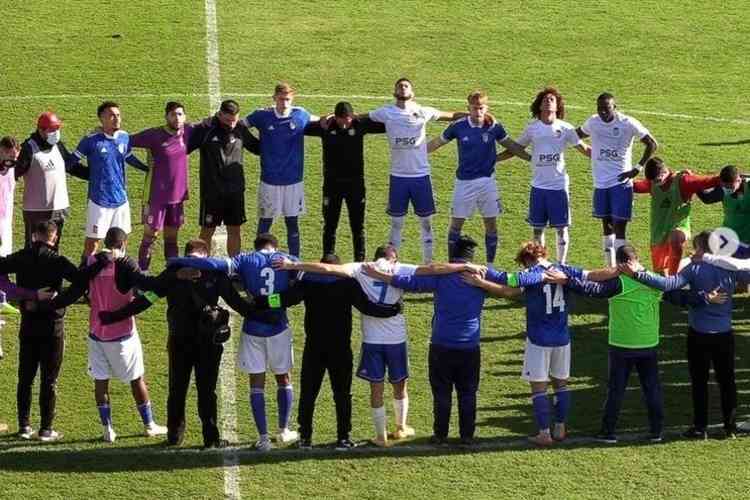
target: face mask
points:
(118, 253)
(53, 137)
(727, 191)
(6, 164)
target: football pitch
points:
(679, 67)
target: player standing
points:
(612, 136)
(405, 124)
(166, 186)
(106, 150)
(549, 137)
(475, 177)
(281, 130)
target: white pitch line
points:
(217, 96)
(227, 369)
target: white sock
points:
(379, 420)
(563, 241)
(608, 244)
(426, 226)
(539, 236)
(401, 409)
(397, 225)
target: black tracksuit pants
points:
(334, 194)
(44, 353)
(317, 357)
(457, 368)
(704, 349)
(185, 355)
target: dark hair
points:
(700, 241)
(729, 174)
(115, 238)
(106, 105)
(8, 142)
(172, 105)
(403, 79)
(265, 239)
(343, 109)
(230, 107)
(383, 250)
(625, 254)
(46, 228)
(463, 249)
(197, 245)
(654, 166)
(605, 96)
(531, 250)
(536, 106)
(330, 258)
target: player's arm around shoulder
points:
(287, 264)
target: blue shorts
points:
(416, 189)
(375, 358)
(548, 206)
(615, 202)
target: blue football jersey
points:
(547, 308)
(282, 144)
(105, 156)
(476, 147)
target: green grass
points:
(684, 58)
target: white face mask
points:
(727, 190)
(53, 137)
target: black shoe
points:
(695, 433)
(655, 437)
(304, 444)
(345, 444)
(730, 433)
(438, 440)
(175, 440)
(466, 442)
(606, 437)
(216, 444)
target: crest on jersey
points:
(121, 148)
(558, 133)
(466, 139)
(292, 125)
(351, 132)
(616, 131)
(270, 127)
(485, 137)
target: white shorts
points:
(540, 363)
(100, 219)
(481, 194)
(122, 359)
(258, 354)
(275, 201)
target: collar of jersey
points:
(277, 115)
(113, 137)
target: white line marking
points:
(227, 368)
(216, 97)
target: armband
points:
(151, 297)
(513, 280)
(274, 301)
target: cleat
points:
(655, 437)
(466, 442)
(48, 435)
(559, 432)
(153, 429)
(286, 436)
(263, 444)
(304, 444)
(404, 432)
(215, 445)
(542, 439)
(606, 437)
(438, 440)
(345, 444)
(25, 432)
(695, 433)
(381, 442)
(109, 434)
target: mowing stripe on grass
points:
(662, 114)
(227, 368)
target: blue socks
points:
(264, 225)
(284, 399)
(105, 414)
(258, 408)
(292, 235)
(562, 404)
(453, 237)
(542, 410)
(145, 411)
(490, 242)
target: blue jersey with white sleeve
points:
(282, 144)
(547, 308)
(476, 147)
(105, 156)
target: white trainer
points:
(48, 436)
(153, 429)
(263, 444)
(287, 435)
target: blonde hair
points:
(283, 88)
(477, 96)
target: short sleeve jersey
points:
(548, 143)
(282, 144)
(167, 180)
(612, 147)
(476, 147)
(406, 131)
(260, 278)
(105, 156)
(382, 330)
